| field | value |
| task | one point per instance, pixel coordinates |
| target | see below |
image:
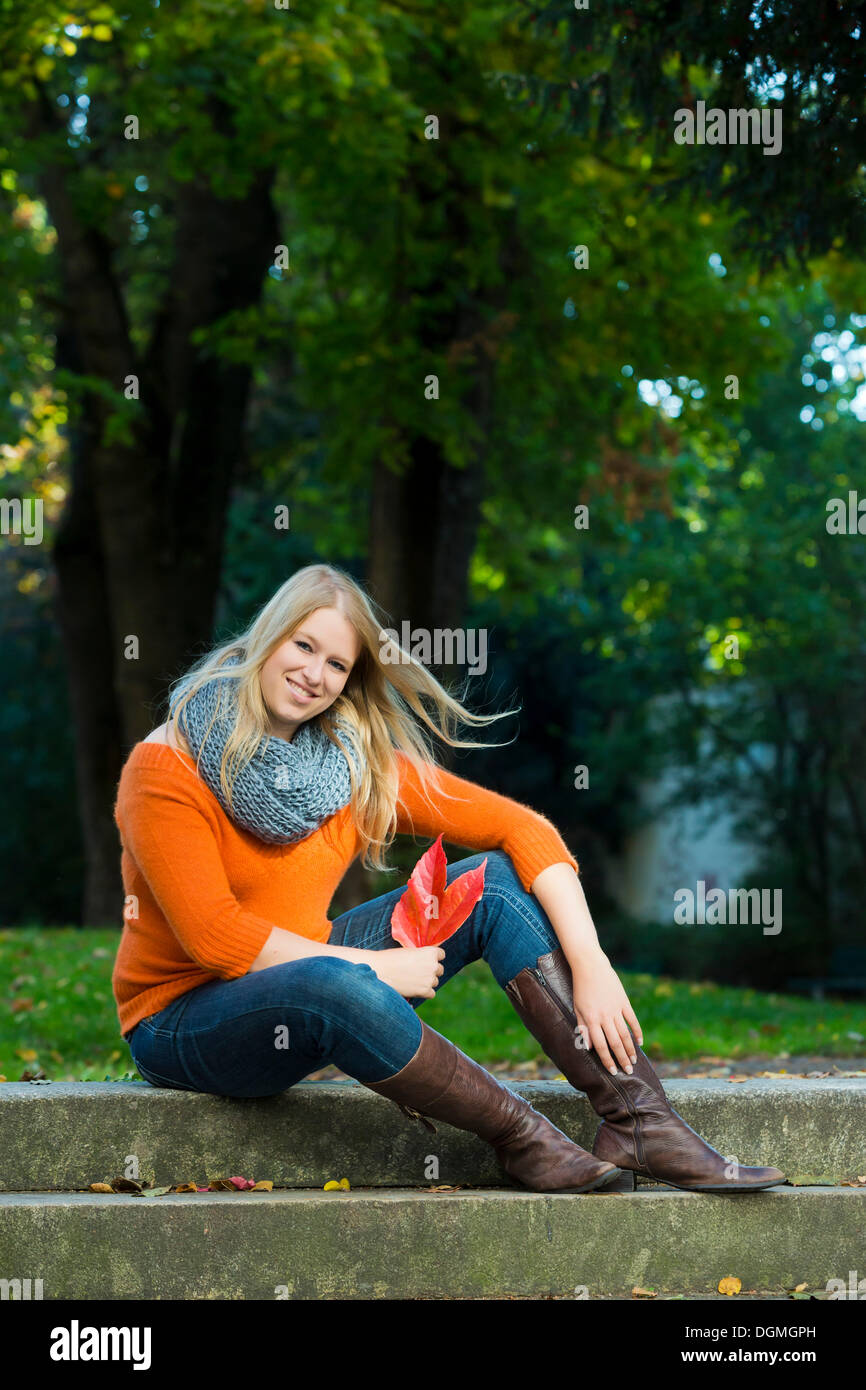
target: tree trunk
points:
(424, 521)
(423, 527)
(139, 548)
(86, 632)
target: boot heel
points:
(626, 1182)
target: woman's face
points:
(306, 673)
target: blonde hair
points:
(386, 704)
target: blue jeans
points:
(263, 1032)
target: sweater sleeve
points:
(479, 819)
(170, 832)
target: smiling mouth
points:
(299, 691)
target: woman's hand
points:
(604, 1012)
(414, 971)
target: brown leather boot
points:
(442, 1081)
(640, 1130)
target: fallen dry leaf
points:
(126, 1185)
(187, 1187)
(265, 1185)
(729, 1285)
(638, 1292)
(100, 1187)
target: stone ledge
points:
(369, 1244)
(62, 1136)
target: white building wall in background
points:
(677, 847)
(674, 850)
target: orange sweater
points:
(203, 894)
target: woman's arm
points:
(413, 971)
(282, 946)
(561, 894)
(479, 819)
(173, 843)
(470, 815)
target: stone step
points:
(404, 1243)
(63, 1136)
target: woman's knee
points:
(348, 1016)
(301, 1015)
(515, 904)
(331, 970)
(336, 985)
(501, 871)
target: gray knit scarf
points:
(288, 788)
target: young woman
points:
(288, 752)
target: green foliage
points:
(454, 256)
(623, 69)
(41, 854)
(724, 639)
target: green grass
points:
(681, 1020)
(68, 1026)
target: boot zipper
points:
(566, 1012)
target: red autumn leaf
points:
(428, 879)
(243, 1184)
(460, 898)
(429, 911)
(410, 920)
(405, 920)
